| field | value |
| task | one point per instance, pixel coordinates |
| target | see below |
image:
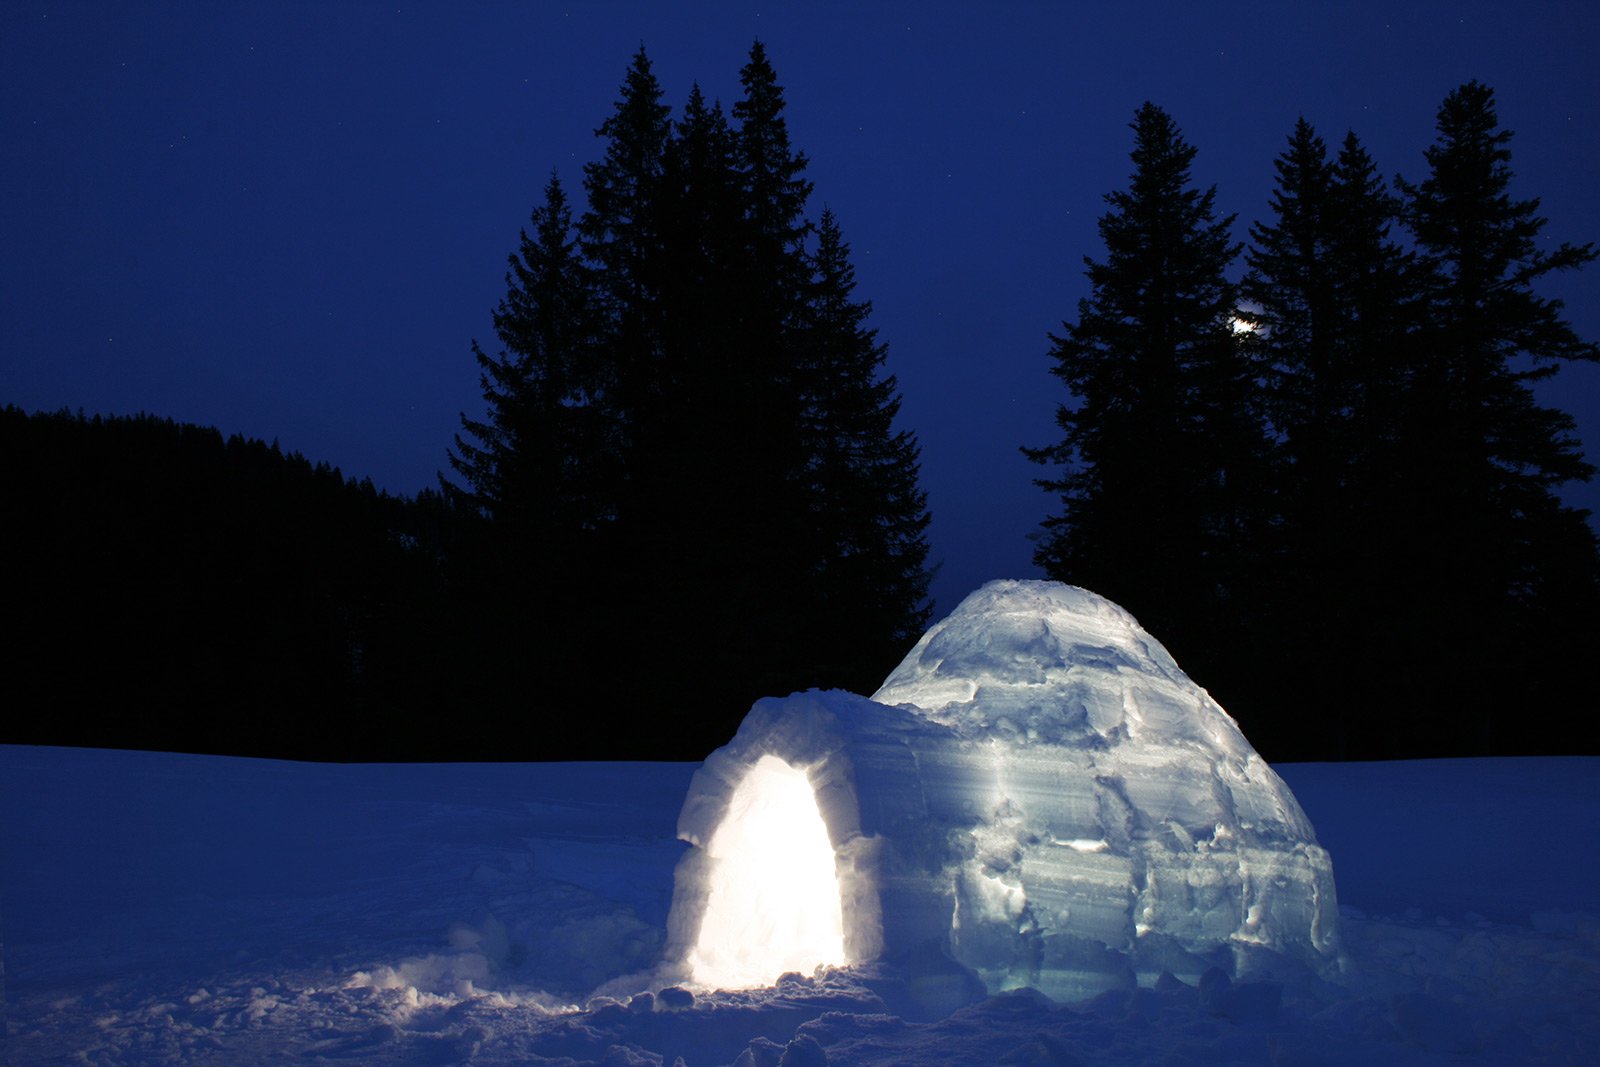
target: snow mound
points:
(1042, 795)
(1033, 661)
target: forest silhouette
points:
(1309, 463)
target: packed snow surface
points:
(1122, 808)
(1124, 819)
(1038, 792)
(184, 909)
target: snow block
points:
(1041, 793)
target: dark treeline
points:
(170, 589)
(1325, 486)
(1328, 488)
(685, 492)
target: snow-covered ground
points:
(161, 908)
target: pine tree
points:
(521, 461)
(1504, 558)
(537, 473)
(868, 509)
(772, 175)
(700, 334)
(1379, 303)
(857, 583)
(1335, 304)
(1162, 454)
(725, 450)
(620, 239)
(743, 514)
(1487, 321)
(1291, 289)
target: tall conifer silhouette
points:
(1502, 558)
(720, 373)
(1161, 455)
(1335, 301)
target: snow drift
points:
(1037, 792)
(163, 908)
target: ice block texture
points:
(1041, 791)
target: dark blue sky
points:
(290, 219)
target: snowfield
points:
(163, 908)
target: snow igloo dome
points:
(1037, 792)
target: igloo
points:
(1037, 792)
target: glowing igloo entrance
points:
(772, 895)
(1037, 792)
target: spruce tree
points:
(868, 509)
(1162, 455)
(518, 461)
(749, 522)
(535, 485)
(858, 584)
(726, 447)
(1334, 299)
(620, 239)
(772, 173)
(1503, 559)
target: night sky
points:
(289, 220)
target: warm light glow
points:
(773, 905)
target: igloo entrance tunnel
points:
(1037, 791)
